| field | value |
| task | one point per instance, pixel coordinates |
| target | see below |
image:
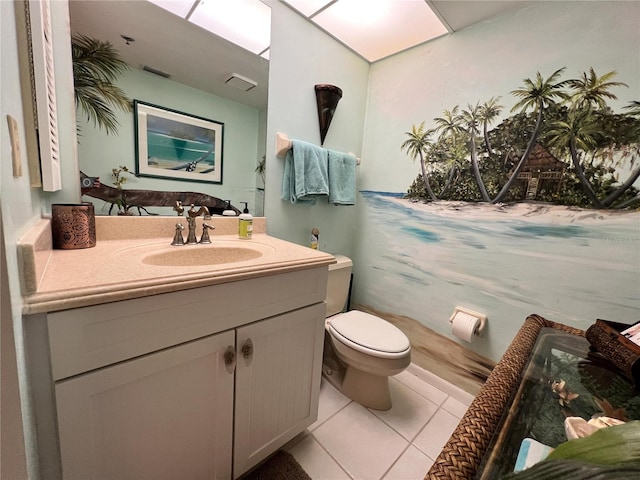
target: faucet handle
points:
(205, 233)
(178, 239)
(178, 208)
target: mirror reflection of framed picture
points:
(177, 145)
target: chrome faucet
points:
(191, 222)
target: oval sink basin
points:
(214, 255)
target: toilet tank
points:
(338, 285)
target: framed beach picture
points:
(177, 145)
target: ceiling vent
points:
(160, 73)
(243, 83)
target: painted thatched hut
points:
(541, 171)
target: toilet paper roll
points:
(465, 325)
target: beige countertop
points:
(117, 268)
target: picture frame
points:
(177, 145)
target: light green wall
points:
(98, 152)
(22, 206)
(17, 209)
(301, 57)
(491, 59)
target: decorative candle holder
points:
(73, 225)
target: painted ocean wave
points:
(571, 265)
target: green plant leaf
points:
(611, 453)
(608, 446)
(576, 470)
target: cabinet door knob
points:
(230, 358)
(247, 349)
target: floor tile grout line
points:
(419, 393)
(396, 460)
(409, 442)
(399, 433)
(446, 386)
(449, 411)
(425, 426)
(331, 416)
(317, 440)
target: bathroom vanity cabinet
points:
(198, 383)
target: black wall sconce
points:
(327, 98)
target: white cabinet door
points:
(166, 415)
(277, 384)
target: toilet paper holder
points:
(480, 316)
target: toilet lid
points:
(370, 332)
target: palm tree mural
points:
(536, 94)
(569, 116)
(489, 111)
(470, 119)
(578, 132)
(450, 125)
(452, 130)
(593, 91)
(415, 145)
(581, 130)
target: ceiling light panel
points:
(307, 7)
(244, 22)
(379, 28)
(177, 7)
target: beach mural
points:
(537, 215)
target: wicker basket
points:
(604, 336)
(462, 455)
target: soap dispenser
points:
(228, 211)
(245, 223)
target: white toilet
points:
(361, 350)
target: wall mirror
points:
(179, 66)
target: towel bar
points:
(283, 145)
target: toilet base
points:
(371, 391)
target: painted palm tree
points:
(589, 92)
(96, 66)
(470, 119)
(450, 125)
(451, 129)
(592, 91)
(634, 111)
(415, 146)
(580, 132)
(536, 94)
(488, 112)
(634, 108)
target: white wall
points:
(303, 56)
(98, 152)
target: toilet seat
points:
(369, 334)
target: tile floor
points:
(350, 441)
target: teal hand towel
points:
(342, 178)
(305, 173)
